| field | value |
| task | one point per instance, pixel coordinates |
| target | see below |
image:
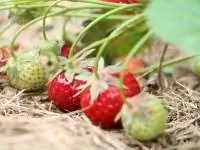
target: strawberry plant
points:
(82, 72)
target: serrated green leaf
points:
(176, 22)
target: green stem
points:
(5, 28)
(64, 35)
(44, 19)
(134, 51)
(106, 3)
(115, 33)
(113, 17)
(40, 18)
(94, 44)
(15, 2)
(94, 22)
(25, 6)
(93, 6)
(153, 68)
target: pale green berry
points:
(146, 119)
(31, 76)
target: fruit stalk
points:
(94, 22)
(115, 33)
(45, 16)
(41, 17)
(152, 68)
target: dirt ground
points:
(31, 122)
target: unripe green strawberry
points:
(146, 119)
(27, 75)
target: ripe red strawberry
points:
(102, 102)
(65, 50)
(108, 103)
(135, 64)
(62, 93)
(133, 87)
(104, 109)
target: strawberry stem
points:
(94, 22)
(94, 44)
(103, 3)
(117, 32)
(5, 28)
(41, 17)
(113, 17)
(134, 51)
(64, 35)
(44, 19)
(24, 7)
(154, 67)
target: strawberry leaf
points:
(176, 22)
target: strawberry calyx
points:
(13, 64)
(139, 106)
(138, 103)
(102, 83)
(51, 46)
